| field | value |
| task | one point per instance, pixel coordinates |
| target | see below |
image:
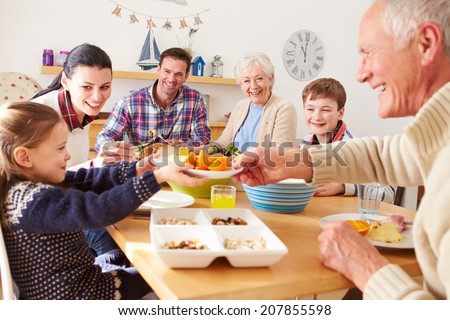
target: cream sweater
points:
(420, 156)
(278, 122)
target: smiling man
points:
(167, 109)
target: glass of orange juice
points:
(223, 196)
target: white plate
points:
(168, 199)
(214, 174)
(406, 243)
(16, 87)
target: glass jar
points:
(47, 57)
(61, 58)
(217, 67)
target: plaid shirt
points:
(139, 118)
(68, 112)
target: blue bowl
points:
(289, 197)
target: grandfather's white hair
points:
(402, 18)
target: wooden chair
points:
(9, 289)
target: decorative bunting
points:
(189, 24)
(133, 18)
(168, 25)
(150, 23)
(197, 20)
(116, 11)
(184, 23)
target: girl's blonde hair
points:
(25, 124)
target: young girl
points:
(44, 209)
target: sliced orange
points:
(191, 159)
(202, 161)
(361, 226)
(220, 164)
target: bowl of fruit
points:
(212, 162)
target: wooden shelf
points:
(141, 75)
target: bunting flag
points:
(116, 11)
(133, 18)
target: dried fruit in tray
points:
(194, 244)
(229, 221)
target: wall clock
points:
(303, 54)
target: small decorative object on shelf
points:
(217, 67)
(198, 66)
(47, 57)
(61, 58)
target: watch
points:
(303, 54)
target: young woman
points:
(44, 209)
(78, 94)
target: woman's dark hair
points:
(178, 54)
(83, 55)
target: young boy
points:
(323, 106)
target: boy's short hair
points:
(325, 88)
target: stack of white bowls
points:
(287, 196)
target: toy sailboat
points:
(149, 58)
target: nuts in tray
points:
(229, 221)
(194, 244)
(249, 244)
(177, 221)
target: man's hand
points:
(114, 151)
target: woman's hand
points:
(343, 249)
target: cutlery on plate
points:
(368, 219)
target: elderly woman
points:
(262, 117)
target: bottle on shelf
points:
(61, 58)
(47, 57)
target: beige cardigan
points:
(420, 156)
(278, 122)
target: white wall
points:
(230, 28)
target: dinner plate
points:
(214, 174)
(406, 243)
(168, 199)
(16, 87)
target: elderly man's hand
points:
(343, 249)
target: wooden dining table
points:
(299, 273)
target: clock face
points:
(303, 55)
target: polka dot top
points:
(47, 249)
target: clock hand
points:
(304, 52)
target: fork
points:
(366, 218)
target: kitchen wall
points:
(230, 28)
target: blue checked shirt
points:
(139, 118)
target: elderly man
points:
(405, 58)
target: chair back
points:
(7, 281)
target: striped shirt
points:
(137, 118)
